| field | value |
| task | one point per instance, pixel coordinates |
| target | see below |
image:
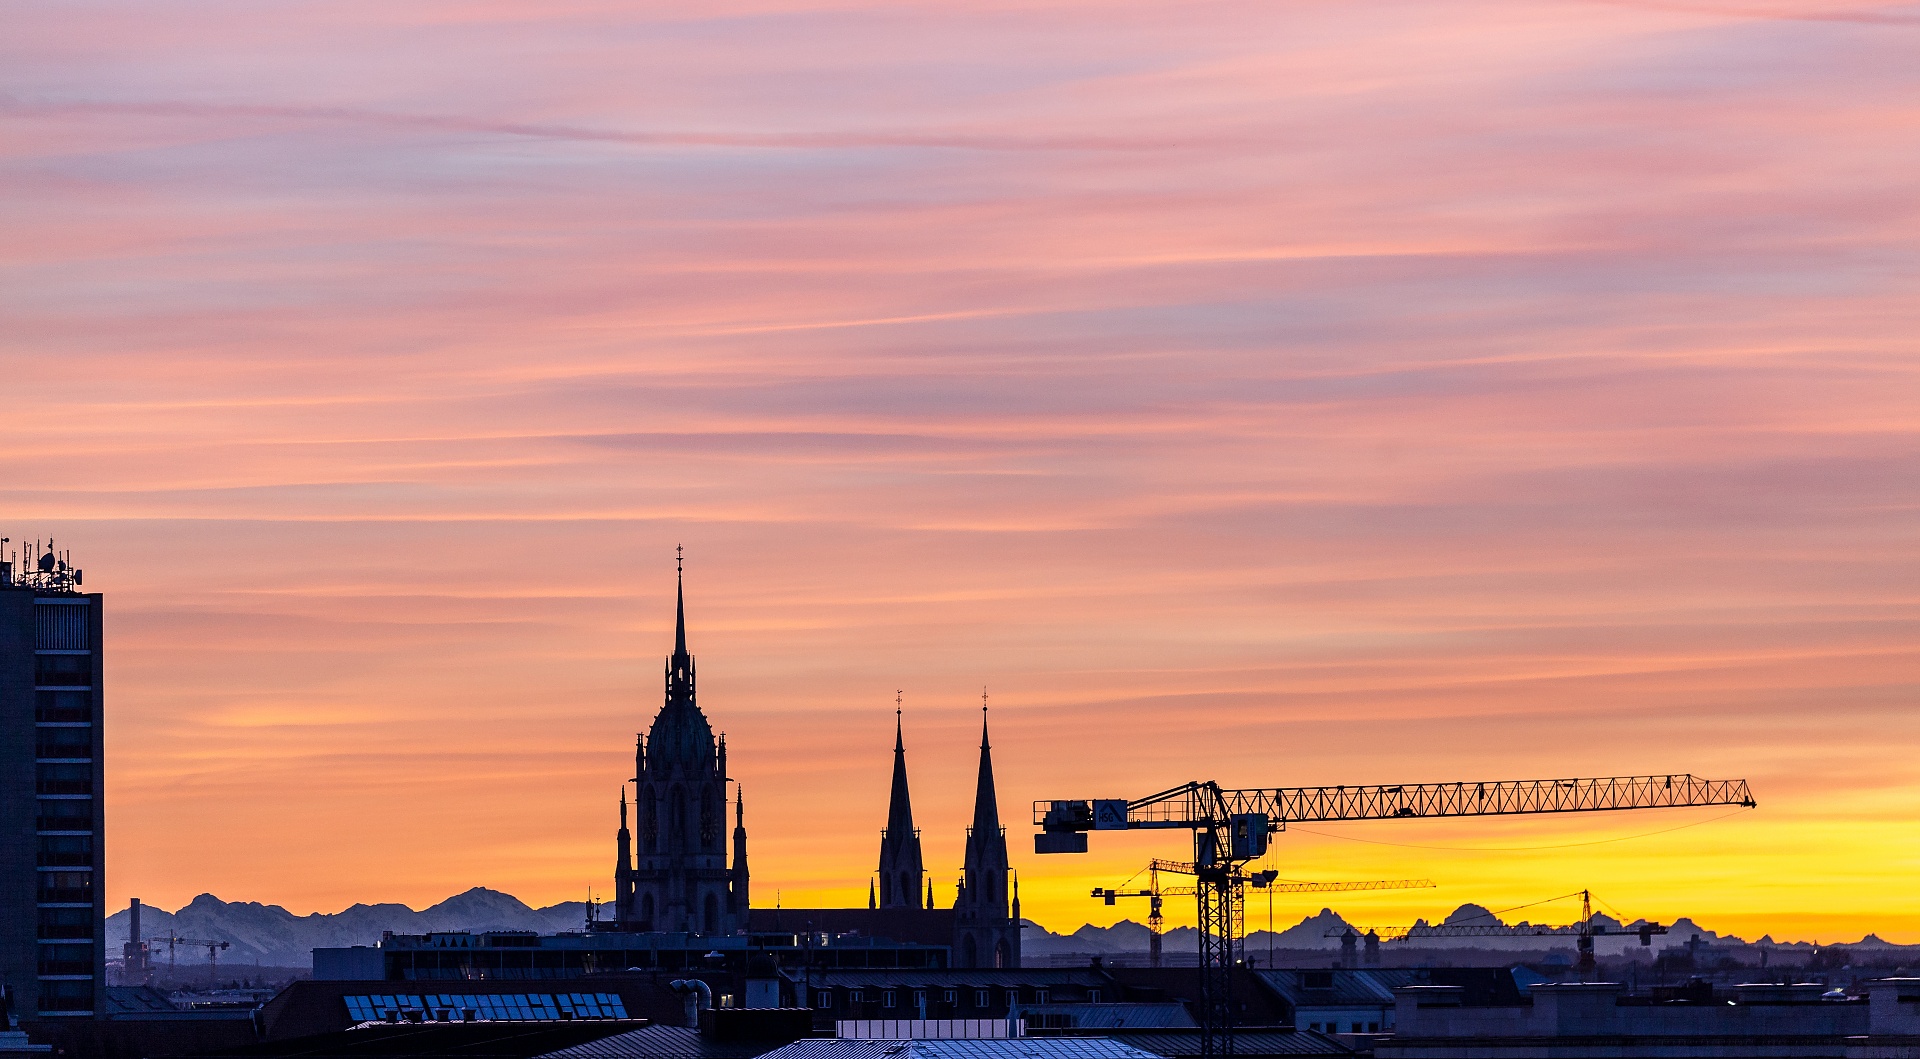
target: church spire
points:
(987, 936)
(679, 603)
(900, 804)
(623, 860)
(901, 868)
(739, 869)
(986, 806)
(680, 663)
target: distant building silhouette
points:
(676, 878)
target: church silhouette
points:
(677, 877)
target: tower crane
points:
(1231, 828)
(213, 952)
(1261, 880)
(1583, 931)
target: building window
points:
(68, 706)
(886, 998)
(66, 996)
(63, 779)
(1013, 997)
(66, 851)
(1373, 1027)
(67, 671)
(980, 998)
(63, 743)
(1093, 996)
(823, 998)
(1039, 996)
(953, 996)
(61, 627)
(66, 887)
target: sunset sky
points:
(1279, 393)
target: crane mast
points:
(1231, 827)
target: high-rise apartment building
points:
(52, 916)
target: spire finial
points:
(983, 716)
(679, 603)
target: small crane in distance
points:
(1260, 880)
(1583, 931)
(214, 949)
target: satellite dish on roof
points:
(47, 562)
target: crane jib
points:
(1207, 805)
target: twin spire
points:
(901, 873)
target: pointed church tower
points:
(623, 858)
(739, 902)
(900, 867)
(680, 879)
(985, 934)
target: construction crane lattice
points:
(1231, 828)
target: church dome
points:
(680, 738)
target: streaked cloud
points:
(1282, 393)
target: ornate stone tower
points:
(679, 879)
(987, 916)
(901, 871)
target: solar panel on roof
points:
(455, 1007)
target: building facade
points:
(52, 920)
(674, 875)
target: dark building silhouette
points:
(981, 930)
(901, 870)
(676, 876)
(671, 871)
(987, 915)
(52, 923)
